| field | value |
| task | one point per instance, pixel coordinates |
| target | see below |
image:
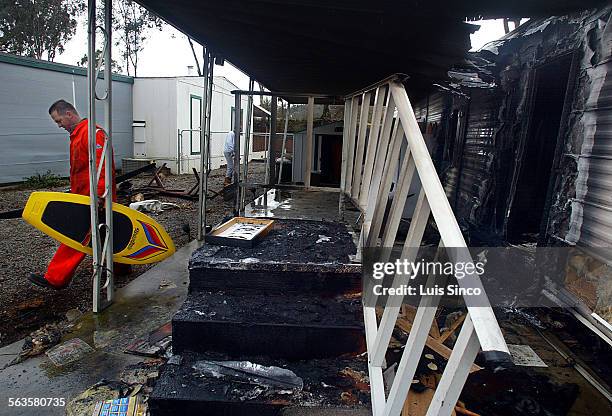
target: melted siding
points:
(478, 153)
(591, 224)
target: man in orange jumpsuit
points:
(66, 260)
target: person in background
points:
(228, 152)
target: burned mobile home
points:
(522, 137)
(439, 148)
(465, 154)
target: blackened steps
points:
(336, 384)
(291, 327)
(326, 281)
(295, 257)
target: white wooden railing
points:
(373, 138)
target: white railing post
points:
(373, 141)
(351, 145)
(368, 183)
(102, 248)
(377, 385)
(485, 323)
(309, 141)
(361, 139)
(345, 141)
(392, 160)
(109, 285)
(456, 371)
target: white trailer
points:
(31, 142)
(167, 110)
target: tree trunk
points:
(195, 57)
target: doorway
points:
(326, 165)
(525, 222)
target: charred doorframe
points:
(555, 176)
(520, 150)
(527, 131)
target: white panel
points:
(155, 103)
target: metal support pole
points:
(102, 250)
(271, 154)
(207, 135)
(247, 145)
(237, 122)
(309, 141)
(203, 150)
(108, 157)
(91, 136)
(280, 170)
(179, 151)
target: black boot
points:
(40, 281)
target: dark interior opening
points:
(331, 158)
(526, 213)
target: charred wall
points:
(499, 124)
(540, 138)
(519, 60)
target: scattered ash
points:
(290, 241)
(245, 306)
(326, 382)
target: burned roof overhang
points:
(336, 47)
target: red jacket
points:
(79, 160)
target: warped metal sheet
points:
(591, 222)
(478, 152)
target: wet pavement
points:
(140, 307)
(297, 204)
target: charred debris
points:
(520, 136)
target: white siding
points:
(165, 104)
(155, 103)
(31, 142)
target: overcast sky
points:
(167, 52)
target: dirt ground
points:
(25, 307)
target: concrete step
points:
(295, 257)
(331, 386)
(293, 327)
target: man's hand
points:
(101, 203)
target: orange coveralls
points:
(66, 259)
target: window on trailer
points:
(195, 121)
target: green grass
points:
(44, 180)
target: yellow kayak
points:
(137, 238)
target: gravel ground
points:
(25, 307)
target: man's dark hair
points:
(61, 106)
